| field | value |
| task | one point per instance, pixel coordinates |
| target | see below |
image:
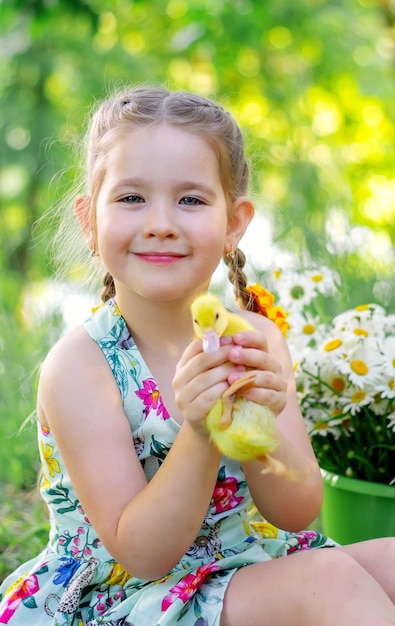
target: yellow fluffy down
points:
(251, 433)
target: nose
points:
(160, 221)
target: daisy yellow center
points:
(308, 329)
(333, 345)
(360, 332)
(321, 425)
(393, 362)
(359, 367)
(362, 307)
(391, 384)
(317, 278)
(338, 384)
(358, 396)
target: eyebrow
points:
(182, 186)
(127, 182)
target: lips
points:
(159, 257)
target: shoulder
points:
(262, 323)
(75, 347)
(274, 336)
(73, 366)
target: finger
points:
(251, 339)
(194, 361)
(254, 359)
(273, 399)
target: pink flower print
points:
(152, 398)
(101, 607)
(82, 512)
(23, 588)
(304, 538)
(224, 498)
(188, 585)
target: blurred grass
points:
(24, 527)
(23, 346)
(24, 518)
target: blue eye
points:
(132, 199)
(191, 201)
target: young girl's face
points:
(162, 214)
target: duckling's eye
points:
(196, 322)
(216, 316)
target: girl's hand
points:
(250, 351)
(200, 380)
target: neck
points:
(164, 328)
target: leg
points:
(323, 586)
(378, 558)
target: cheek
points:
(212, 244)
(112, 227)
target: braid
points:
(109, 287)
(235, 263)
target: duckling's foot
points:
(236, 389)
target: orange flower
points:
(264, 301)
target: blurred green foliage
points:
(312, 83)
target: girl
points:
(148, 522)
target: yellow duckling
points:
(241, 429)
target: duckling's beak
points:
(210, 341)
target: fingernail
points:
(235, 354)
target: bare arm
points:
(147, 527)
(288, 504)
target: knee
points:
(333, 564)
(384, 549)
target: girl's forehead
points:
(157, 132)
(161, 141)
(162, 152)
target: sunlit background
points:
(311, 82)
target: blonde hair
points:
(144, 106)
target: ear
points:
(82, 209)
(242, 212)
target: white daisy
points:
(363, 366)
(389, 324)
(325, 280)
(354, 398)
(386, 386)
(305, 330)
(391, 421)
(361, 323)
(295, 291)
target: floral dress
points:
(76, 581)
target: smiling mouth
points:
(159, 257)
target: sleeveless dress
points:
(76, 581)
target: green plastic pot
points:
(355, 510)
